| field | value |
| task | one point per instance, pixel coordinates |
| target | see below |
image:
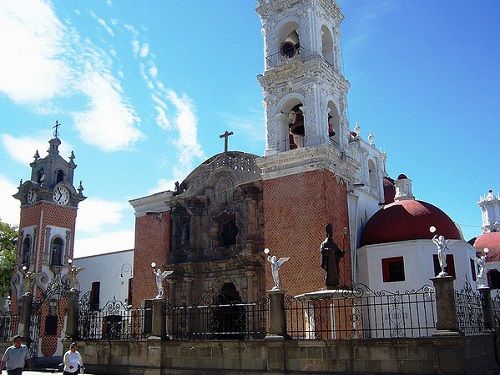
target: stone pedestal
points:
(276, 318)
(72, 322)
(487, 305)
(24, 321)
(446, 311)
(158, 327)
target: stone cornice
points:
(309, 159)
(152, 203)
(265, 8)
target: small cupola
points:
(403, 188)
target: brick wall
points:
(53, 214)
(152, 244)
(296, 210)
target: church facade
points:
(212, 229)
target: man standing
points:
(15, 357)
(330, 259)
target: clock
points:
(61, 195)
(31, 197)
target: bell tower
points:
(49, 203)
(304, 88)
(307, 171)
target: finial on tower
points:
(36, 156)
(56, 131)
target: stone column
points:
(487, 308)
(250, 286)
(276, 318)
(158, 327)
(72, 322)
(446, 311)
(24, 321)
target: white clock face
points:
(61, 195)
(31, 197)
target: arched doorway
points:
(229, 318)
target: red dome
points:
(407, 220)
(492, 242)
(389, 190)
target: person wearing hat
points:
(72, 360)
(15, 357)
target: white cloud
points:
(105, 26)
(95, 213)
(153, 71)
(22, 149)
(31, 41)
(104, 243)
(250, 124)
(144, 50)
(46, 59)
(109, 122)
(161, 119)
(9, 206)
(135, 47)
(185, 122)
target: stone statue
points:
(72, 272)
(28, 281)
(275, 268)
(481, 262)
(442, 246)
(330, 259)
(159, 275)
(7, 304)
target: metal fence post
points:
(276, 318)
(446, 311)
(72, 322)
(487, 305)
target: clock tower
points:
(49, 204)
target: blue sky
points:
(143, 89)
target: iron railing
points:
(469, 308)
(361, 313)
(210, 320)
(8, 326)
(115, 321)
(495, 302)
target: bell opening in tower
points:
(333, 123)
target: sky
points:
(143, 90)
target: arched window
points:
(372, 173)
(59, 176)
(288, 44)
(333, 122)
(56, 251)
(40, 175)
(26, 251)
(327, 44)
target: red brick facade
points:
(45, 213)
(152, 244)
(296, 209)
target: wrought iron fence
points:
(115, 321)
(469, 307)
(214, 320)
(361, 313)
(496, 310)
(8, 325)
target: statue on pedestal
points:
(275, 268)
(442, 247)
(72, 272)
(481, 262)
(330, 259)
(159, 276)
(28, 280)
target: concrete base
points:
(444, 332)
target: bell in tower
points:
(305, 92)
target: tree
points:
(8, 241)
